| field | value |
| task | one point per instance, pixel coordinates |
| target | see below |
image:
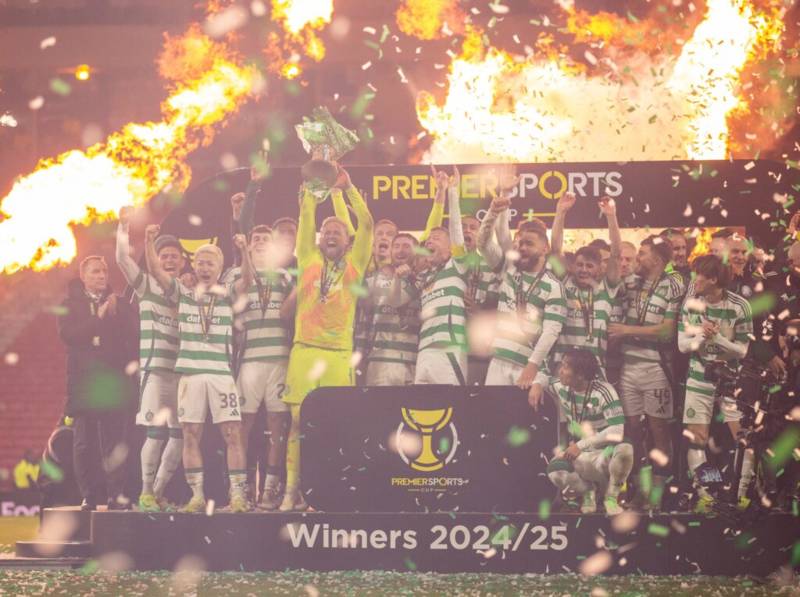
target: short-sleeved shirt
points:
(442, 309)
(525, 302)
(393, 331)
(204, 347)
(598, 406)
(649, 304)
(588, 315)
(266, 336)
(158, 325)
(733, 315)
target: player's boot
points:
(612, 506)
(272, 498)
(196, 505)
(293, 501)
(589, 502)
(166, 505)
(239, 504)
(148, 503)
(743, 503)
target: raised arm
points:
(246, 279)
(436, 217)
(491, 251)
(564, 204)
(609, 209)
(153, 265)
(341, 211)
(502, 229)
(130, 269)
(362, 243)
(454, 206)
(307, 227)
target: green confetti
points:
(90, 567)
(105, 390)
(762, 303)
(557, 266)
(544, 509)
(518, 436)
(646, 479)
(410, 564)
(652, 119)
(796, 554)
(221, 185)
(361, 104)
(58, 310)
(52, 470)
(658, 530)
(420, 250)
(781, 449)
(60, 86)
(358, 290)
(444, 445)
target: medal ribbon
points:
(206, 315)
(587, 309)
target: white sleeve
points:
(130, 270)
(454, 221)
(550, 332)
(610, 435)
(733, 350)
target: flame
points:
(624, 105)
(429, 19)
(300, 21)
(702, 243)
(130, 167)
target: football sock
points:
(151, 456)
(238, 480)
(619, 467)
(170, 460)
(748, 463)
(293, 449)
(194, 477)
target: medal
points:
(264, 292)
(587, 310)
(522, 296)
(206, 315)
(328, 279)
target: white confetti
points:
(317, 370)
(596, 563)
(366, 65)
(658, 457)
(36, 103)
(210, 504)
(8, 120)
(230, 19)
(228, 161)
(131, 368)
(625, 522)
(258, 8)
(47, 42)
(11, 359)
(195, 220)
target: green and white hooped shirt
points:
(205, 330)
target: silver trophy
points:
(327, 141)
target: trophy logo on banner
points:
(427, 423)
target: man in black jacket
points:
(98, 330)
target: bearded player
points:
(326, 306)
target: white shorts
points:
(592, 465)
(698, 409)
(645, 390)
(503, 373)
(383, 373)
(262, 381)
(158, 399)
(436, 366)
(197, 394)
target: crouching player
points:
(591, 417)
(205, 334)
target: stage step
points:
(67, 523)
(53, 549)
(9, 562)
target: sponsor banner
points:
(658, 194)
(19, 503)
(450, 542)
(425, 448)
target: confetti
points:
(47, 42)
(11, 359)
